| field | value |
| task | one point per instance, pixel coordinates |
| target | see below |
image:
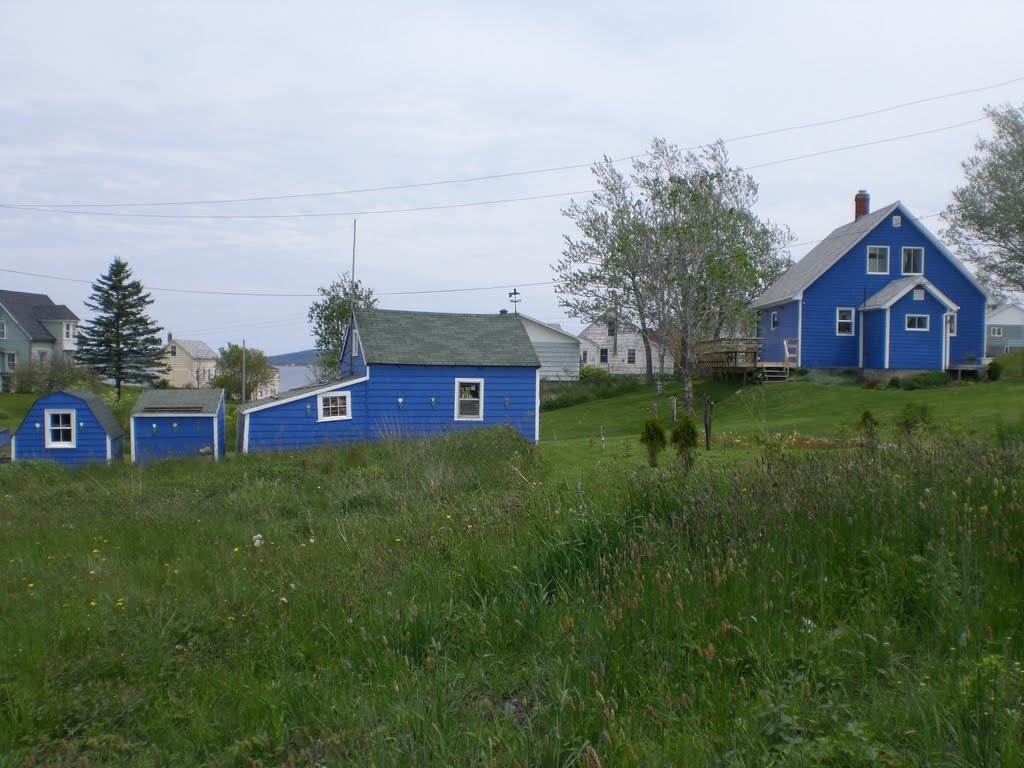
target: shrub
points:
(995, 370)
(927, 380)
(590, 373)
(685, 438)
(913, 416)
(653, 439)
(800, 371)
(895, 383)
(41, 377)
(867, 425)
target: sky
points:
(106, 106)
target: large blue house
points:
(407, 374)
(881, 293)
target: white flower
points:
(257, 540)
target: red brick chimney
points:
(861, 204)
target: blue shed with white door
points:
(408, 374)
(178, 423)
(70, 427)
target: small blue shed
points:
(70, 427)
(408, 374)
(178, 423)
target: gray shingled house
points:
(32, 327)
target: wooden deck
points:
(740, 356)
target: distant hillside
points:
(305, 357)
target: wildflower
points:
(257, 540)
(235, 549)
(312, 540)
(469, 526)
(283, 599)
(92, 603)
(397, 540)
(95, 551)
(119, 603)
(231, 618)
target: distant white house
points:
(193, 363)
(558, 350)
(272, 387)
(619, 350)
(1004, 329)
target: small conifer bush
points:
(653, 439)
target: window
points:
(878, 259)
(997, 331)
(3, 329)
(603, 354)
(69, 330)
(844, 321)
(333, 406)
(913, 261)
(60, 429)
(951, 324)
(775, 320)
(919, 294)
(584, 357)
(897, 221)
(469, 399)
(917, 322)
(11, 359)
(42, 355)
(611, 328)
(174, 350)
(631, 356)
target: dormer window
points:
(913, 261)
(878, 259)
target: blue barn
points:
(69, 427)
(408, 374)
(881, 293)
(178, 423)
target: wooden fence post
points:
(709, 412)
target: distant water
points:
(294, 376)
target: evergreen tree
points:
(121, 342)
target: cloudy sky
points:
(106, 106)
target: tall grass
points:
(439, 602)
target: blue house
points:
(69, 427)
(408, 374)
(881, 293)
(178, 423)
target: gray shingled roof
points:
(433, 338)
(28, 309)
(100, 410)
(197, 350)
(156, 400)
(290, 394)
(821, 257)
(899, 288)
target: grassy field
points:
(477, 601)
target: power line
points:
(513, 174)
(450, 206)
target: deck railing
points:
(735, 353)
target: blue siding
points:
(916, 349)
(90, 437)
(166, 436)
(773, 347)
(427, 408)
(848, 284)
(874, 338)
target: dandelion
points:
(469, 526)
(235, 549)
(257, 540)
(119, 603)
(397, 540)
(95, 551)
(231, 618)
(92, 603)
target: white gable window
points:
(917, 322)
(3, 329)
(844, 321)
(913, 261)
(878, 259)
(469, 399)
(631, 357)
(775, 320)
(60, 428)
(333, 406)
(997, 331)
(897, 221)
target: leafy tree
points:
(121, 342)
(986, 218)
(258, 371)
(329, 317)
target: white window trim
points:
(584, 357)
(603, 353)
(320, 406)
(996, 331)
(954, 323)
(903, 255)
(10, 361)
(50, 412)
(3, 329)
(630, 353)
(879, 249)
(897, 221)
(774, 320)
(927, 323)
(458, 415)
(851, 321)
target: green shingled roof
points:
(435, 338)
(187, 400)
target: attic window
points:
(919, 294)
(469, 399)
(897, 221)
